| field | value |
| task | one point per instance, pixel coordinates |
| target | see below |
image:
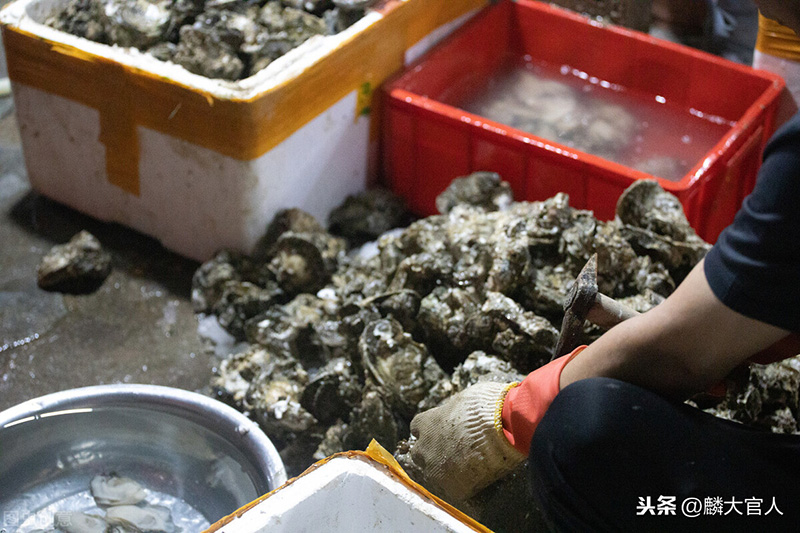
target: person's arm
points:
(682, 346)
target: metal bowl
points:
(194, 455)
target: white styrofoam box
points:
(345, 494)
(193, 198)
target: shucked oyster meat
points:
(78, 522)
(148, 518)
(115, 490)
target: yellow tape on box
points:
(777, 40)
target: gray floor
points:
(137, 328)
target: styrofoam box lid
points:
(345, 494)
(29, 16)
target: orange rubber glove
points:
(525, 404)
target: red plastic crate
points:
(427, 142)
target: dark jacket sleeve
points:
(754, 268)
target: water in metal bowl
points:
(193, 455)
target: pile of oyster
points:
(341, 342)
(765, 396)
(226, 39)
(339, 345)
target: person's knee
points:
(575, 450)
(590, 413)
(594, 424)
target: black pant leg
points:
(604, 447)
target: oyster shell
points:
(768, 398)
(202, 50)
(608, 130)
(356, 355)
(352, 5)
(541, 99)
(403, 456)
(209, 280)
(312, 6)
(451, 321)
(79, 266)
(371, 419)
(331, 442)
(136, 23)
(304, 262)
(240, 301)
(273, 396)
(422, 272)
(480, 189)
(83, 18)
(163, 51)
(524, 339)
(115, 490)
(647, 206)
(479, 367)
(293, 330)
(221, 39)
(654, 223)
(333, 391)
(400, 365)
(286, 220)
(368, 215)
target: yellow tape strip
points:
(238, 128)
(118, 133)
(777, 40)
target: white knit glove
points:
(460, 445)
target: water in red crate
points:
(574, 108)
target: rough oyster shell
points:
(137, 23)
(333, 391)
(79, 266)
(479, 189)
(400, 365)
(366, 216)
(286, 220)
(371, 419)
(304, 262)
